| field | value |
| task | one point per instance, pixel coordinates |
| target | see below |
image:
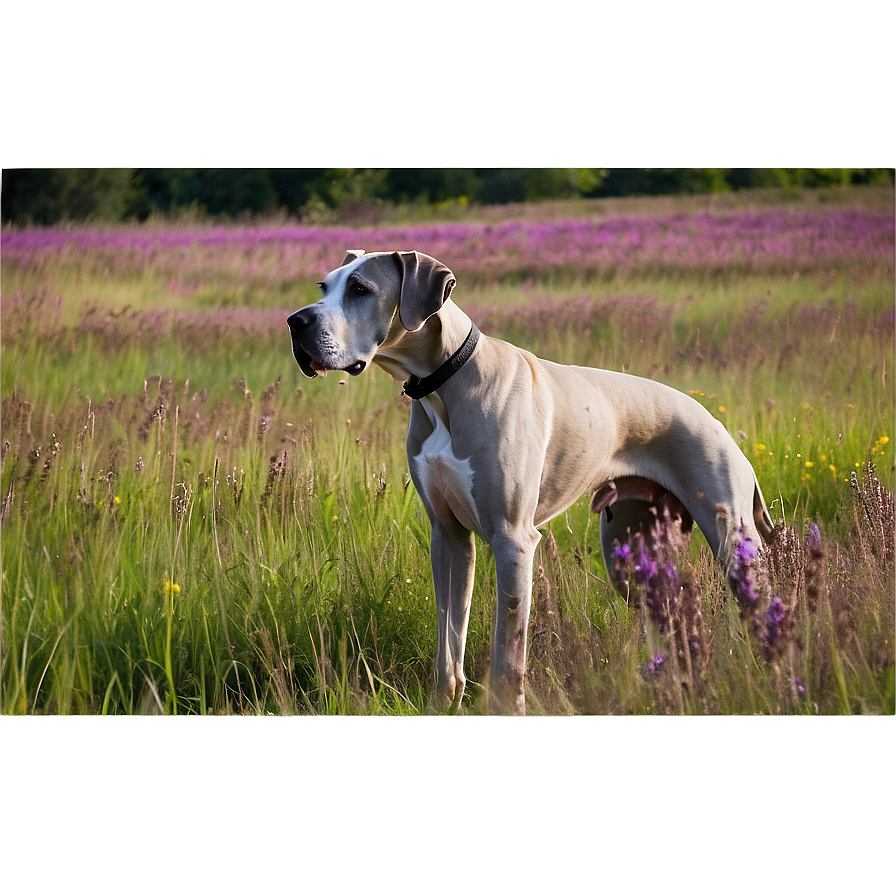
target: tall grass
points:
(189, 526)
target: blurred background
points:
(43, 196)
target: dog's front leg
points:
(514, 555)
(453, 563)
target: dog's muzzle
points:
(300, 323)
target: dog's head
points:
(363, 301)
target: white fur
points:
(441, 472)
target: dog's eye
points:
(358, 289)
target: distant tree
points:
(432, 184)
(746, 178)
(501, 185)
(873, 175)
(663, 181)
(824, 177)
(231, 190)
(216, 191)
(753, 178)
(52, 195)
(341, 187)
(294, 186)
(150, 192)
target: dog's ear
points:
(351, 255)
(425, 285)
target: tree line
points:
(54, 195)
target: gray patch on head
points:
(351, 326)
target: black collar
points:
(417, 388)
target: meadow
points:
(189, 526)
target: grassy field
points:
(190, 526)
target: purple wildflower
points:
(647, 569)
(774, 620)
(656, 664)
(750, 585)
(748, 241)
(798, 687)
(669, 595)
(747, 550)
(659, 583)
(814, 538)
(742, 577)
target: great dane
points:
(500, 442)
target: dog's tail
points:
(761, 517)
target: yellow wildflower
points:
(172, 588)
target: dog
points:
(500, 442)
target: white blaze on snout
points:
(344, 336)
(446, 480)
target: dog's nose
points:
(301, 319)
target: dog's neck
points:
(405, 354)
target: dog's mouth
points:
(311, 367)
(319, 369)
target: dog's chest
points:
(445, 479)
